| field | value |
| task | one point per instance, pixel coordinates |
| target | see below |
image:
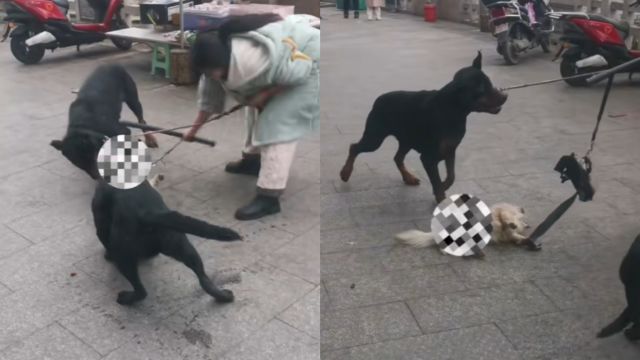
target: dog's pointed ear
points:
(56, 144)
(522, 210)
(477, 62)
(513, 226)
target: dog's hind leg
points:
(431, 166)
(129, 269)
(178, 247)
(368, 143)
(407, 176)
(633, 304)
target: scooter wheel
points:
(27, 55)
(509, 53)
(122, 44)
(568, 68)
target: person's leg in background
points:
(378, 13)
(275, 163)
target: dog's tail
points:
(416, 238)
(178, 222)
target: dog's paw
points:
(345, 173)
(411, 180)
(226, 234)
(226, 297)
(632, 333)
(129, 297)
(440, 198)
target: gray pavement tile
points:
(4, 291)
(367, 325)
(304, 315)
(106, 326)
(11, 242)
(354, 237)
(53, 342)
(478, 307)
(299, 212)
(55, 220)
(391, 213)
(353, 290)
(144, 347)
(563, 294)
(559, 332)
(276, 341)
(379, 259)
(30, 309)
(213, 329)
(300, 257)
(49, 260)
(482, 342)
(331, 219)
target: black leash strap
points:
(146, 127)
(534, 239)
(571, 169)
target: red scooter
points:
(43, 24)
(591, 43)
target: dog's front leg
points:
(431, 166)
(450, 162)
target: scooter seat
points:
(62, 3)
(621, 26)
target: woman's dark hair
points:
(214, 51)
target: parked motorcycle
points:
(43, 24)
(515, 30)
(591, 43)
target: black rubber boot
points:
(248, 165)
(260, 206)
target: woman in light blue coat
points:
(271, 65)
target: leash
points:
(545, 82)
(165, 131)
(579, 174)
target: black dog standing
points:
(136, 224)
(431, 122)
(95, 114)
(630, 277)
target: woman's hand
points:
(197, 124)
(261, 99)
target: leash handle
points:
(216, 117)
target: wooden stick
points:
(146, 127)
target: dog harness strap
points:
(551, 219)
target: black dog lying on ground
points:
(95, 115)
(136, 224)
(431, 122)
(630, 277)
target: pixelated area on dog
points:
(124, 162)
(461, 223)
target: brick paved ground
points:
(46, 235)
(380, 301)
